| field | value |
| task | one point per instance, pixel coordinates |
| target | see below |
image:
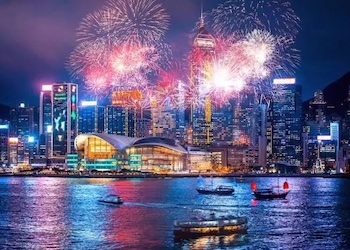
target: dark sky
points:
(37, 36)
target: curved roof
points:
(123, 142)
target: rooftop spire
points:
(201, 22)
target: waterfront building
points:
(286, 122)
(45, 121)
(90, 118)
(115, 152)
(65, 123)
(4, 142)
(22, 127)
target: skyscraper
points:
(91, 118)
(286, 121)
(4, 140)
(65, 124)
(201, 68)
(22, 126)
(45, 121)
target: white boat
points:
(214, 189)
(111, 199)
(224, 225)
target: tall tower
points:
(286, 122)
(65, 124)
(201, 69)
(45, 121)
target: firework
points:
(275, 16)
(141, 20)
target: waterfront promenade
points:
(67, 174)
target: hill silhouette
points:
(335, 95)
(4, 112)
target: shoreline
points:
(171, 175)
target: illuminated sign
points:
(88, 103)
(284, 81)
(4, 126)
(135, 160)
(13, 140)
(49, 129)
(30, 139)
(46, 87)
(323, 137)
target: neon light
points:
(31, 139)
(284, 81)
(4, 126)
(13, 140)
(89, 103)
(323, 137)
(46, 87)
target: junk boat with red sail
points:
(213, 226)
(274, 192)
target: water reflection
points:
(58, 213)
(212, 242)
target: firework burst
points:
(275, 16)
(145, 21)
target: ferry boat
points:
(111, 199)
(220, 189)
(212, 226)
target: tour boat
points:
(214, 189)
(219, 189)
(111, 199)
(270, 193)
(216, 226)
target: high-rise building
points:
(116, 120)
(91, 118)
(22, 126)
(222, 118)
(201, 68)
(65, 124)
(4, 140)
(45, 121)
(286, 122)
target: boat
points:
(274, 192)
(111, 199)
(212, 226)
(219, 189)
(214, 189)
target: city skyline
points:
(51, 63)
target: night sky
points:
(37, 36)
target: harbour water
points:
(64, 213)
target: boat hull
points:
(222, 192)
(188, 234)
(269, 196)
(111, 202)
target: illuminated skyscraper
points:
(91, 118)
(4, 140)
(22, 126)
(45, 121)
(201, 69)
(286, 116)
(65, 124)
